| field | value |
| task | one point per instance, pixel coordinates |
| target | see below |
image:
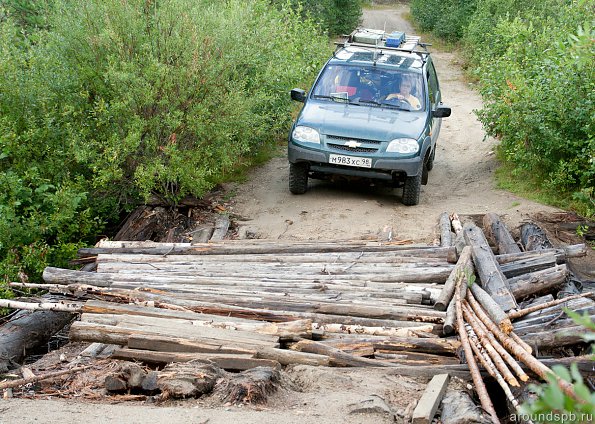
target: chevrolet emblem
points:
(353, 144)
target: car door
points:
(435, 98)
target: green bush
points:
(533, 61)
(446, 19)
(334, 17)
(113, 102)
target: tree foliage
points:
(112, 101)
(334, 17)
(534, 65)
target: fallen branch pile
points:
(251, 303)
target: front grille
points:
(352, 149)
(359, 140)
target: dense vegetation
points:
(335, 17)
(106, 102)
(534, 63)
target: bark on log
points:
(42, 306)
(463, 265)
(537, 282)
(492, 308)
(492, 279)
(449, 322)
(562, 254)
(522, 312)
(498, 233)
(26, 331)
(445, 232)
(252, 386)
(141, 224)
(436, 346)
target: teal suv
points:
(374, 112)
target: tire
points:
(430, 163)
(411, 190)
(298, 178)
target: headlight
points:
(306, 135)
(403, 145)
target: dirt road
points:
(462, 180)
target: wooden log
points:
(562, 254)
(338, 358)
(492, 279)
(42, 306)
(202, 235)
(456, 223)
(226, 361)
(497, 232)
(428, 403)
(445, 232)
(538, 282)
(27, 330)
(436, 346)
(571, 335)
(517, 350)
(373, 331)
(522, 312)
(524, 266)
(290, 357)
(449, 322)
(181, 328)
(534, 238)
(459, 408)
(484, 346)
(463, 265)
(484, 333)
(480, 388)
(164, 343)
(141, 224)
(492, 308)
(228, 248)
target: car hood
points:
(363, 122)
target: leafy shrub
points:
(334, 17)
(533, 63)
(115, 101)
(446, 19)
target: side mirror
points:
(298, 95)
(441, 112)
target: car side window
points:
(432, 83)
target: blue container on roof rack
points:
(395, 39)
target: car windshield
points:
(371, 86)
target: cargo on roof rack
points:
(380, 39)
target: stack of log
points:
(241, 304)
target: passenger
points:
(405, 93)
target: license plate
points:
(350, 161)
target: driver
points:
(405, 93)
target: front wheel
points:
(411, 190)
(298, 178)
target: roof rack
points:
(379, 39)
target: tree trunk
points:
(497, 232)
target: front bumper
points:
(382, 168)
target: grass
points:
(523, 184)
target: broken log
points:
(492, 279)
(498, 233)
(61, 306)
(562, 254)
(221, 227)
(252, 386)
(397, 344)
(522, 312)
(27, 330)
(187, 379)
